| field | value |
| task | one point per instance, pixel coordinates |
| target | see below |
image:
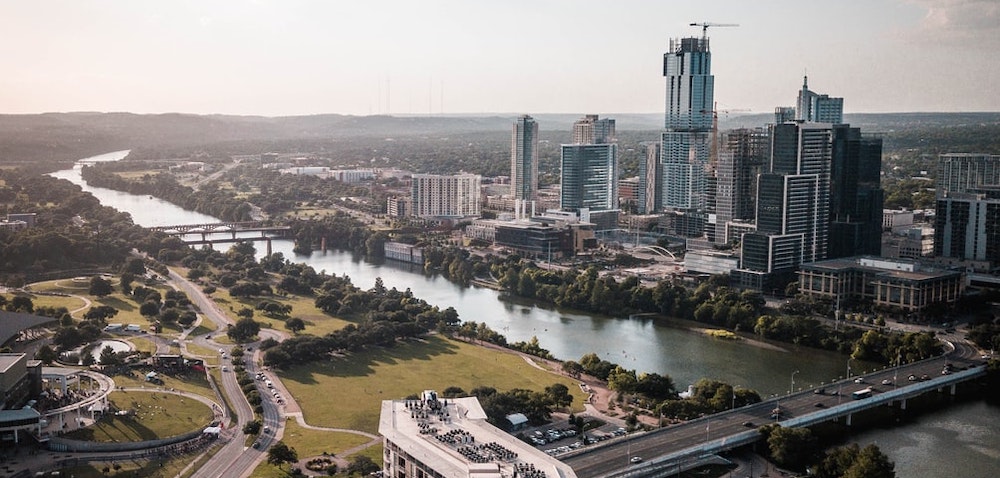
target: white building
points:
(450, 438)
(351, 176)
(445, 196)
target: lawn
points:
(317, 322)
(310, 443)
(357, 384)
(156, 468)
(192, 382)
(155, 415)
(142, 344)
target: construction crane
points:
(704, 26)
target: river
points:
(638, 344)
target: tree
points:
(280, 453)
(853, 462)
(252, 427)
(791, 447)
(149, 308)
(21, 303)
(362, 465)
(99, 287)
(245, 313)
(100, 313)
(109, 356)
(45, 354)
(295, 324)
(243, 330)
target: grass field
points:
(138, 469)
(191, 382)
(357, 384)
(155, 415)
(314, 442)
(142, 344)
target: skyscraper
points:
(967, 222)
(793, 207)
(856, 195)
(524, 159)
(686, 140)
(590, 171)
(812, 106)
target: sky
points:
(362, 57)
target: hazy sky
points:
(287, 57)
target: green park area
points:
(316, 321)
(152, 415)
(347, 392)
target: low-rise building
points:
(450, 438)
(404, 252)
(907, 285)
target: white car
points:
(636, 459)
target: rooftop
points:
(8, 360)
(453, 437)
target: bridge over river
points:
(232, 232)
(689, 445)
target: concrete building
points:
(965, 172)
(351, 176)
(397, 206)
(913, 242)
(907, 286)
(436, 196)
(967, 226)
(403, 252)
(524, 159)
(450, 438)
(893, 219)
(710, 262)
(814, 107)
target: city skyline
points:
(275, 58)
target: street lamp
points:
(792, 390)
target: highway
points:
(687, 440)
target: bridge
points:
(231, 229)
(688, 445)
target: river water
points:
(640, 344)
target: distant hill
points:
(60, 137)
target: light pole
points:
(792, 390)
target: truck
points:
(133, 328)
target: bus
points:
(863, 393)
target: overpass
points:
(231, 229)
(687, 445)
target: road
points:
(615, 455)
(235, 459)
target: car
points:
(859, 380)
(912, 378)
(225, 368)
(636, 459)
(256, 445)
(946, 372)
(748, 424)
(820, 405)
(267, 429)
(887, 382)
(925, 377)
(819, 391)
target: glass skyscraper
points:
(524, 159)
(589, 169)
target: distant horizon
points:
(482, 114)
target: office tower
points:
(856, 195)
(590, 171)
(524, 159)
(650, 174)
(964, 172)
(434, 195)
(793, 207)
(812, 106)
(784, 114)
(686, 141)
(592, 130)
(967, 220)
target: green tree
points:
(244, 330)
(791, 447)
(280, 453)
(295, 324)
(361, 465)
(99, 287)
(252, 427)
(46, 354)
